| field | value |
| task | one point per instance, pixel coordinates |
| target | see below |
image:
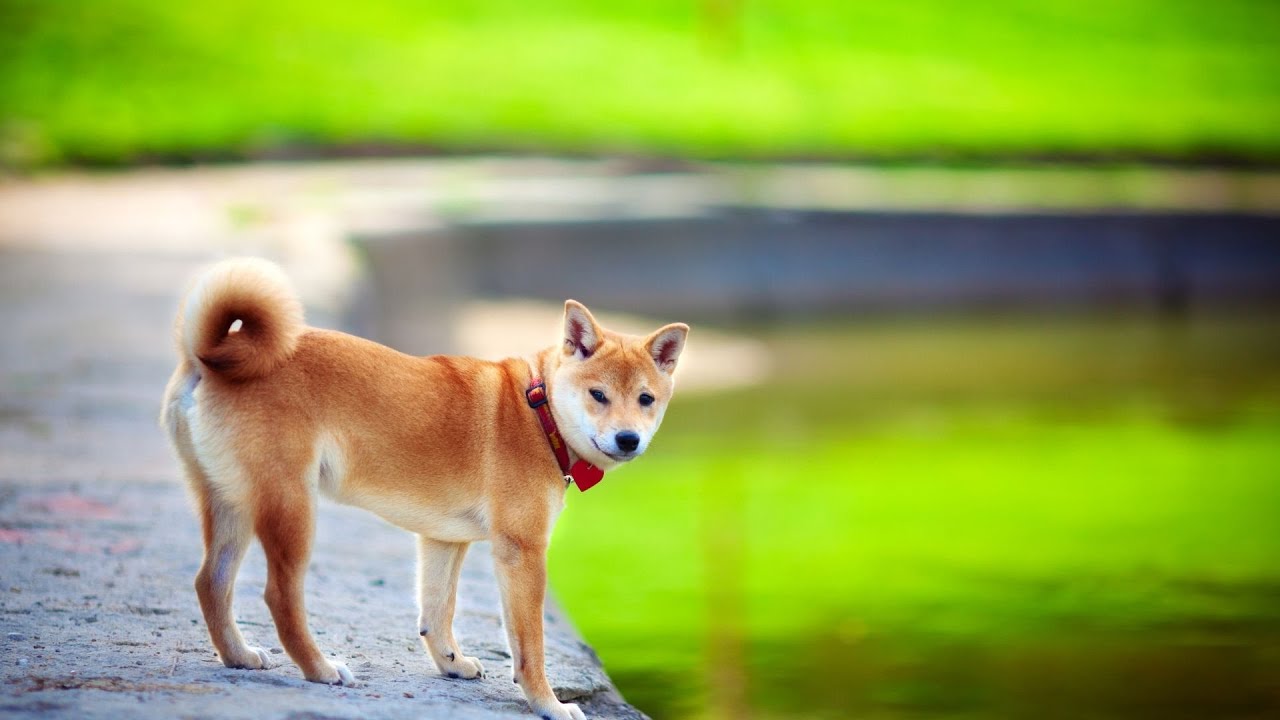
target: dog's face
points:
(611, 390)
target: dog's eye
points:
(646, 399)
(599, 396)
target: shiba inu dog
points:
(266, 413)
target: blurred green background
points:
(1071, 517)
(107, 82)
(999, 512)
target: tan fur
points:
(266, 417)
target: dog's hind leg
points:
(285, 524)
(439, 564)
(227, 533)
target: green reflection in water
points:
(1059, 518)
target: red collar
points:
(583, 473)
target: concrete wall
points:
(756, 263)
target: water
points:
(1054, 516)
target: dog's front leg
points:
(439, 564)
(522, 577)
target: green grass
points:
(117, 81)
(1105, 546)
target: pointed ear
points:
(665, 345)
(581, 333)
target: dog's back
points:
(258, 398)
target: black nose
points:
(627, 441)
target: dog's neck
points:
(544, 365)
(577, 469)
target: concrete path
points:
(98, 546)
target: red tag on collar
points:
(585, 475)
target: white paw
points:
(344, 674)
(460, 667)
(250, 658)
(334, 673)
(561, 711)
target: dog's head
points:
(611, 390)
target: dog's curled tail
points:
(257, 294)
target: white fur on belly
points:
(466, 525)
